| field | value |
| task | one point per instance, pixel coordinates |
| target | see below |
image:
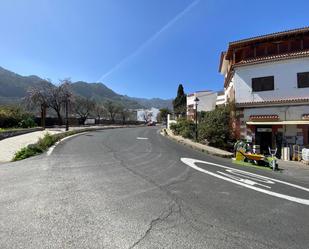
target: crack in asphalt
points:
(162, 217)
(190, 219)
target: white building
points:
(147, 115)
(207, 102)
(221, 98)
(267, 79)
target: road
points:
(131, 188)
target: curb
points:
(195, 146)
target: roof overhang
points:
(263, 38)
(289, 122)
(275, 102)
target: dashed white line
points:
(142, 138)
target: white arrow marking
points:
(191, 162)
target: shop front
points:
(293, 135)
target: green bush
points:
(28, 122)
(30, 150)
(47, 141)
(34, 149)
(42, 145)
(214, 127)
(14, 117)
(183, 127)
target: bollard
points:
(273, 152)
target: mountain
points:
(13, 87)
(155, 102)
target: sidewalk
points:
(9, 146)
(202, 147)
(298, 170)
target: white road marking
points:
(191, 162)
(247, 181)
(142, 138)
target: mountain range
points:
(13, 87)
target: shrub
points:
(42, 145)
(34, 149)
(30, 150)
(214, 127)
(28, 122)
(13, 117)
(183, 127)
(47, 141)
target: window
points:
(303, 80)
(263, 84)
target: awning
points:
(292, 122)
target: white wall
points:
(221, 99)
(284, 112)
(207, 101)
(285, 80)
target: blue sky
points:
(141, 48)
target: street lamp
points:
(196, 100)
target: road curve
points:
(128, 188)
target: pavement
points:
(133, 188)
(295, 169)
(9, 146)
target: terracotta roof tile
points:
(293, 55)
(271, 35)
(274, 101)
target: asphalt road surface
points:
(133, 188)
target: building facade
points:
(207, 102)
(267, 83)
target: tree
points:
(59, 96)
(214, 127)
(112, 108)
(38, 97)
(180, 102)
(124, 112)
(147, 115)
(162, 116)
(83, 107)
(99, 111)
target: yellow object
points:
(241, 155)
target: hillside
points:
(13, 87)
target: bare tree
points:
(112, 108)
(38, 97)
(147, 116)
(58, 96)
(83, 107)
(124, 112)
(99, 111)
